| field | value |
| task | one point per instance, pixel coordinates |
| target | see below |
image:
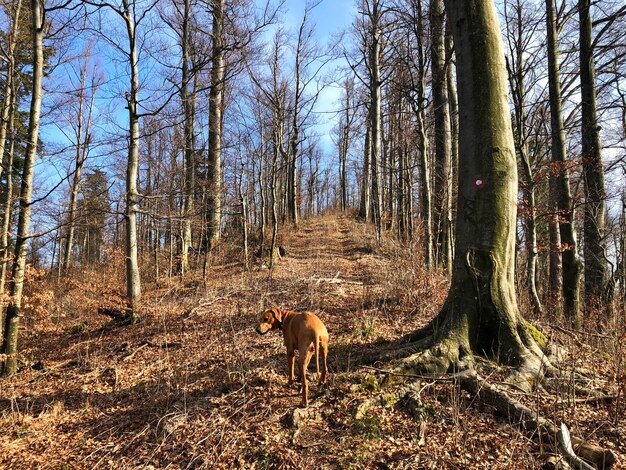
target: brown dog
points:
(304, 332)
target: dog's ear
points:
(277, 314)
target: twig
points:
(571, 331)
(130, 355)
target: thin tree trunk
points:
(425, 192)
(14, 309)
(7, 102)
(8, 202)
(375, 115)
(8, 213)
(188, 99)
(82, 148)
(364, 207)
(517, 71)
(244, 220)
(133, 279)
(454, 129)
(443, 136)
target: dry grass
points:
(193, 386)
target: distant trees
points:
(208, 131)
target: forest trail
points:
(194, 386)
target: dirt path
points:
(193, 386)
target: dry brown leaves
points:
(193, 386)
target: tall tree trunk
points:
(454, 128)
(82, 149)
(216, 100)
(365, 204)
(5, 113)
(8, 211)
(443, 136)
(593, 171)
(14, 309)
(375, 86)
(563, 235)
(344, 142)
(188, 98)
(133, 279)
(517, 70)
(274, 195)
(243, 200)
(481, 312)
(9, 112)
(425, 191)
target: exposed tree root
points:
(450, 358)
(540, 428)
(120, 317)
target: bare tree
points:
(80, 121)
(520, 33)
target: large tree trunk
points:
(216, 99)
(593, 171)
(133, 279)
(563, 249)
(14, 309)
(480, 315)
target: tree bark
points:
(133, 279)
(5, 114)
(216, 99)
(365, 203)
(425, 192)
(480, 314)
(16, 282)
(188, 98)
(8, 211)
(593, 171)
(82, 148)
(6, 158)
(564, 258)
(443, 136)
(375, 87)
(518, 69)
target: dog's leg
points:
(290, 364)
(324, 352)
(303, 362)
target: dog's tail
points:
(317, 355)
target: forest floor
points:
(192, 385)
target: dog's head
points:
(271, 319)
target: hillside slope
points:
(193, 386)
